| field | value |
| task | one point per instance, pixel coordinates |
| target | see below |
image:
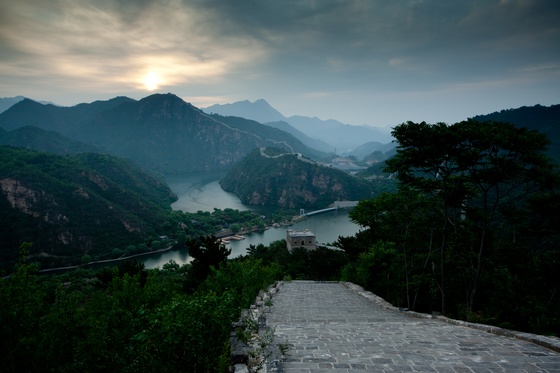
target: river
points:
(202, 192)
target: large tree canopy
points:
(468, 158)
(207, 252)
(474, 169)
(460, 216)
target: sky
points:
(375, 62)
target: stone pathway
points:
(330, 328)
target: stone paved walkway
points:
(331, 329)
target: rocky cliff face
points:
(21, 198)
(75, 205)
(291, 181)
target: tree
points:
(405, 219)
(86, 259)
(207, 252)
(473, 170)
(116, 253)
(142, 248)
(21, 303)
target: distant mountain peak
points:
(261, 101)
(8, 102)
(166, 102)
(331, 132)
(168, 94)
(260, 111)
(159, 97)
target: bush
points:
(116, 253)
(86, 259)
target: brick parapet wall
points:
(552, 343)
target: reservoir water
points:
(202, 192)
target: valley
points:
(154, 156)
(199, 190)
(74, 201)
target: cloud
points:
(298, 52)
(107, 44)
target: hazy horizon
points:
(359, 62)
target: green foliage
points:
(208, 252)
(21, 305)
(86, 259)
(284, 216)
(242, 278)
(177, 335)
(161, 132)
(137, 321)
(88, 204)
(76, 205)
(476, 206)
(375, 269)
(116, 253)
(472, 230)
(45, 141)
(289, 182)
(320, 264)
(203, 223)
(545, 119)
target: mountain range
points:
(77, 197)
(8, 102)
(338, 136)
(165, 134)
(321, 136)
(161, 132)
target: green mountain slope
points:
(68, 121)
(272, 136)
(161, 132)
(545, 119)
(69, 206)
(34, 138)
(271, 177)
(7, 102)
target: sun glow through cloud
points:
(347, 60)
(151, 81)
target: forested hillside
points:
(69, 206)
(272, 177)
(545, 119)
(274, 137)
(34, 138)
(471, 233)
(161, 132)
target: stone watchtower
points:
(305, 239)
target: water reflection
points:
(158, 260)
(202, 192)
(327, 228)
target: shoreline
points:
(170, 247)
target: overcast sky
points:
(380, 62)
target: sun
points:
(151, 81)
